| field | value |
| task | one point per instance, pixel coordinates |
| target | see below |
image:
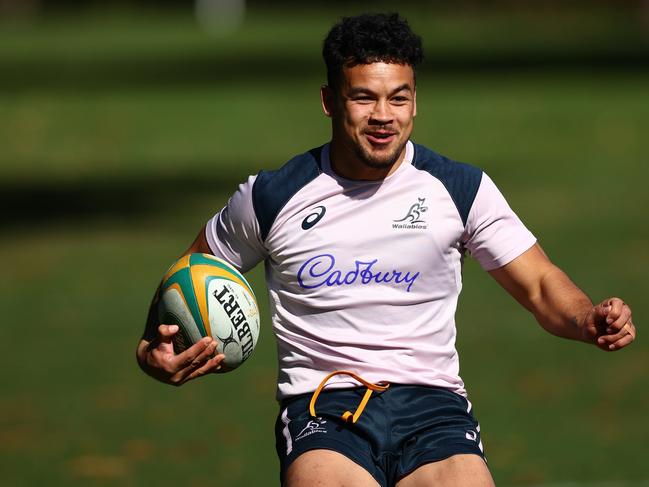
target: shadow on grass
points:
(27, 204)
(205, 69)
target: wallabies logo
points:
(414, 213)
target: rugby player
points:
(363, 241)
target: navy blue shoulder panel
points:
(272, 189)
(460, 180)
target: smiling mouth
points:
(380, 137)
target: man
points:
(363, 241)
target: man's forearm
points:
(547, 292)
(150, 333)
(560, 306)
(140, 354)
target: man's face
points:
(372, 113)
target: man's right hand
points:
(157, 358)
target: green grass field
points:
(108, 171)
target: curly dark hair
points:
(370, 38)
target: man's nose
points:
(382, 112)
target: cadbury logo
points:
(321, 270)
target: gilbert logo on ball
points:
(206, 296)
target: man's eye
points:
(400, 99)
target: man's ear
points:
(327, 100)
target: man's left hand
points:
(609, 325)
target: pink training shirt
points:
(365, 275)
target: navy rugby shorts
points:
(399, 430)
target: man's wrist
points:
(579, 322)
(140, 353)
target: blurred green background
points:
(124, 127)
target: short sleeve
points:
(233, 233)
(494, 235)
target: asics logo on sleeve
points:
(314, 217)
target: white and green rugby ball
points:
(206, 296)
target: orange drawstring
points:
(347, 415)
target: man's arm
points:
(561, 307)
(155, 353)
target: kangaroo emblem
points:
(415, 211)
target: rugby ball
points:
(206, 296)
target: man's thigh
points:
(326, 468)
(455, 471)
